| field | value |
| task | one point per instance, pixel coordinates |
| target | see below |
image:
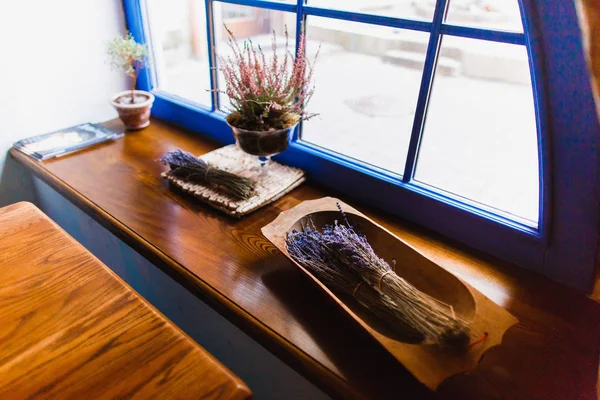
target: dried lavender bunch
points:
(342, 258)
(434, 319)
(307, 248)
(195, 170)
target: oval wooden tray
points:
(429, 364)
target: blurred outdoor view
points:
(480, 138)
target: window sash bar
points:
(301, 8)
(135, 15)
(372, 19)
(267, 4)
(300, 25)
(483, 34)
(212, 58)
(540, 99)
(433, 49)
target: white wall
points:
(53, 72)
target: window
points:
(440, 111)
(180, 49)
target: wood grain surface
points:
(590, 23)
(551, 354)
(71, 329)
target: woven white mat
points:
(273, 180)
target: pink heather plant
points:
(267, 95)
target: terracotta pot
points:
(134, 115)
(262, 143)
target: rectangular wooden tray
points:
(273, 181)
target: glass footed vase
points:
(263, 144)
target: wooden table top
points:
(71, 328)
(551, 354)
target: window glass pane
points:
(179, 48)
(255, 24)
(480, 138)
(367, 84)
(493, 14)
(407, 9)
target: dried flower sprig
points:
(343, 259)
(267, 95)
(307, 248)
(126, 54)
(195, 170)
(434, 319)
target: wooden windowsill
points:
(551, 354)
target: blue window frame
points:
(564, 243)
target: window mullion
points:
(300, 25)
(365, 18)
(300, 21)
(433, 49)
(483, 34)
(212, 56)
(274, 5)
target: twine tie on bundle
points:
(355, 289)
(480, 340)
(380, 279)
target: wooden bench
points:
(71, 328)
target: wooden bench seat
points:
(71, 328)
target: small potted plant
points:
(132, 105)
(268, 97)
